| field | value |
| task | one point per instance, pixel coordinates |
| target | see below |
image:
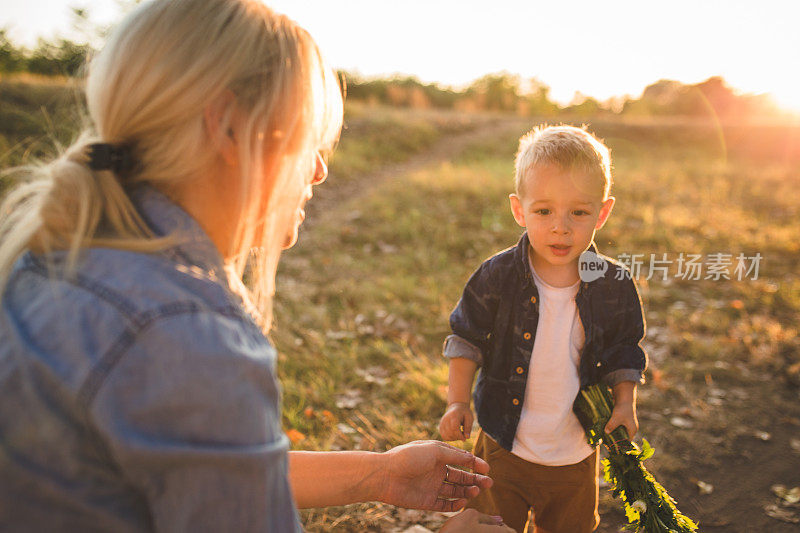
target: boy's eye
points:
(580, 212)
(542, 211)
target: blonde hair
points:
(148, 89)
(568, 147)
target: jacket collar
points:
(521, 257)
(165, 217)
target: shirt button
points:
(526, 336)
(533, 299)
(515, 401)
(520, 370)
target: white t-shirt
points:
(549, 433)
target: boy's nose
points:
(560, 225)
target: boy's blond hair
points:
(569, 147)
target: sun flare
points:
(788, 99)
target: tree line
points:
(500, 91)
(59, 58)
(511, 93)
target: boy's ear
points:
(605, 212)
(516, 209)
(218, 117)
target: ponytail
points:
(66, 205)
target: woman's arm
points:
(414, 475)
(323, 479)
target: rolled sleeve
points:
(626, 374)
(190, 412)
(455, 346)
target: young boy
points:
(539, 328)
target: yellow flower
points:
(631, 514)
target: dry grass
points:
(364, 298)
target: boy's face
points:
(561, 210)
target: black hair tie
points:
(116, 158)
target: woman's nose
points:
(320, 171)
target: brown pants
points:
(558, 499)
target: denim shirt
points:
(138, 395)
(494, 324)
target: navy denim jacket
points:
(138, 396)
(494, 324)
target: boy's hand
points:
(624, 413)
(456, 424)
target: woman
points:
(137, 387)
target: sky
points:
(599, 48)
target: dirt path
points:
(445, 149)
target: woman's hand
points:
(471, 521)
(416, 475)
(456, 423)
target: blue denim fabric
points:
(494, 324)
(138, 395)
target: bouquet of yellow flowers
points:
(647, 505)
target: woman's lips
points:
(560, 249)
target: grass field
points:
(416, 200)
(365, 296)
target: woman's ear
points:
(218, 118)
(516, 209)
(605, 212)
